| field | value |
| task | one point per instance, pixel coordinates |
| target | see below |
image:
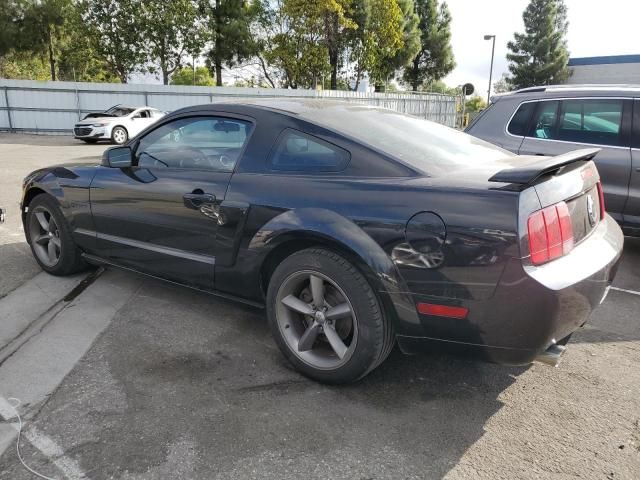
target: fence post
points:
(78, 103)
(146, 99)
(6, 100)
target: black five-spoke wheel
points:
(49, 237)
(316, 319)
(45, 236)
(326, 318)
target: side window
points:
(591, 121)
(520, 121)
(299, 152)
(544, 121)
(196, 143)
(635, 136)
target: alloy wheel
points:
(45, 236)
(119, 136)
(316, 319)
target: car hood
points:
(91, 121)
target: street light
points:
(493, 49)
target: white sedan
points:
(117, 124)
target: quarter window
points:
(195, 143)
(299, 152)
(544, 122)
(591, 121)
(520, 121)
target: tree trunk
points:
(165, 76)
(333, 60)
(266, 73)
(218, 73)
(414, 73)
(52, 60)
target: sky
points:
(596, 28)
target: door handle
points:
(196, 200)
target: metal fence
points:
(53, 107)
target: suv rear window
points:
(520, 121)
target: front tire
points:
(50, 239)
(119, 135)
(326, 318)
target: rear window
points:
(520, 121)
(426, 146)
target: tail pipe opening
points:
(551, 356)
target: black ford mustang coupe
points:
(356, 227)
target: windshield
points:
(426, 146)
(119, 111)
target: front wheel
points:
(50, 238)
(119, 135)
(326, 318)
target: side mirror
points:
(117, 157)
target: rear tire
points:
(50, 239)
(343, 339)
(119, 135)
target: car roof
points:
(551, 91)
(289, 106)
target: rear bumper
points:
(532, 308)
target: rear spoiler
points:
(527, 174)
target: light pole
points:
(493, 49)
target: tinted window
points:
(298, 152)
(426, 146)
(520, 121)
(591, 121)
(201, 143)
(544, 122)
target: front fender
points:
(70, 187)
(331, 229)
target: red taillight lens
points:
(601, 196)
(443, 310)
(550, 233)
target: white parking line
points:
(69, 467)
(632, 292)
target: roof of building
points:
(606, 60)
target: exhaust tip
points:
(551, 356)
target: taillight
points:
(601, 196)
(550, 233)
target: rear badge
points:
(590, 211)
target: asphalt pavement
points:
(132, 378)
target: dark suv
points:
(557, 119)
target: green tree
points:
(475, 104)
(11, 15)
(435, 57)
(539, 56)
(293, 44)
(502, 85)
(113, 29)
(410, 45)
(378, 37)
(171, 29)
(228, 23)
(42, 28)
(185, 76)
(24, 66)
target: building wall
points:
(625, 73)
